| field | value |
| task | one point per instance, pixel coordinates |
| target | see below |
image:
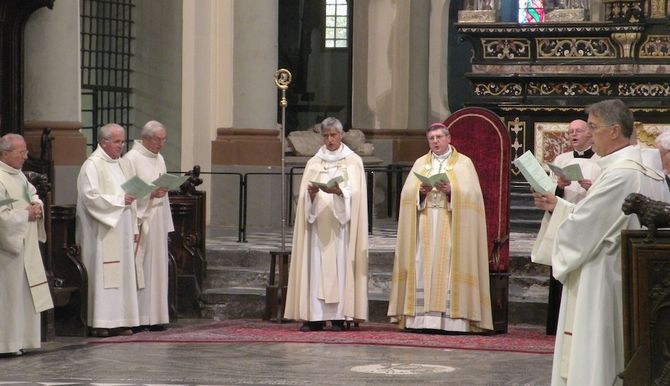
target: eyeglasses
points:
(436, 137)
(159, 140)
(593, 127)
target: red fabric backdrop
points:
(481, 135)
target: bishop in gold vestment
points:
(440, 272)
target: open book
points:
(571, 172)
(533, 172)
(327, 185)
(169, 181)
(432, 180)
(137, 188)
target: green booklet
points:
(327, 185)
(571, 172)
(533, 172)
(432, 180)
(137, 188)
(169, 181)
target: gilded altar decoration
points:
(647, 133)
(655, 46)
(505, 49)
(646, 89)
(492, 88)
(551, 139)
(584, 48)
(569, 88)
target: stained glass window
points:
(531, 11)
(336, 24)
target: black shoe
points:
(141, 328)
(337, 325)
(311, 326)
(99, 332)
(157, 327)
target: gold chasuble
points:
(441, 258)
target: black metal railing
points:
(395, 174)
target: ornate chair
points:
(481, 135)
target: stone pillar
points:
(397, 69)
(52, 92)
(437, 60)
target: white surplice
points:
(105, 231)
(24, 291)
(155, 222)
(582, 243)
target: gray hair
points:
(150, 128)
(438, 126)
(614, 111)
(105, 132)
(332, 123)
(663, 140)
(7, 142)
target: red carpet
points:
(525, 339)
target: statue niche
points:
(479, 11)
(565, 10)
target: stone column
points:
(52, 92)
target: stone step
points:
(249, 303)
(224, 277)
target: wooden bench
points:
(275, 292)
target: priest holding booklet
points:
(572, 190)
(154, 220)
(582, 244)
(440, 271)
(328, 275)
(106, 228)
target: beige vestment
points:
(328, 276)
(441, 252)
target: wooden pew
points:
(66, 274)
(186, 246)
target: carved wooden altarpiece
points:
(539, 77)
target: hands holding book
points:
(545, 201)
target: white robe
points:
(105, 231)
(20, 265)
(328, 272)
(582, 243)
(590, 170)
(155, 221)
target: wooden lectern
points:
(645, 271)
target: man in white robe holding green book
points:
(154, 220)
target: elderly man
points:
(582, 243)
(328, 277)
(440, 272)
(106, 227)
(155, 222)
(24, 291)
(572, 191)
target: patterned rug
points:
(525, 339)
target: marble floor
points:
(73, 361)
(79, 361)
